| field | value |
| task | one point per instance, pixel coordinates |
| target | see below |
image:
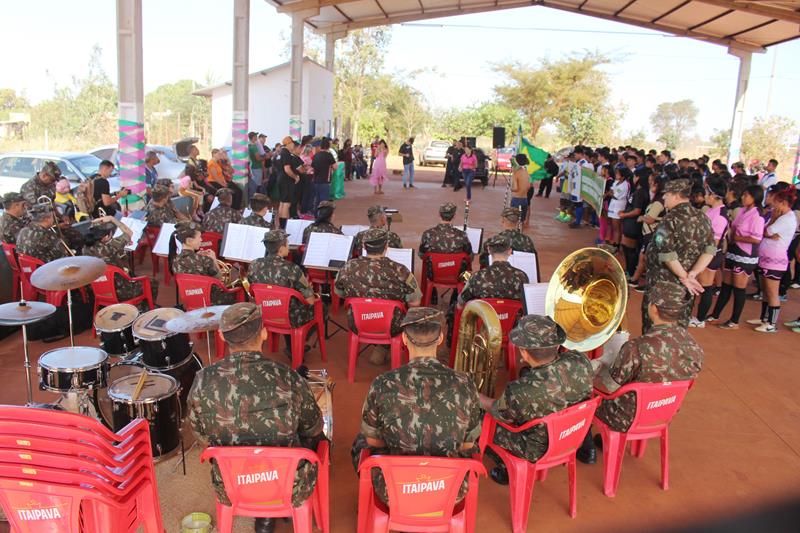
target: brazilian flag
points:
(536, 156)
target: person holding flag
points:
(535, 167)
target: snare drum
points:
(160, 347)
(73, 369)
(114, 325)
(157, 403)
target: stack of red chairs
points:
(65, 472)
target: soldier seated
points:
(324, 221)
(377, 276)
(192, 260)
(14, 217)
(280, 409)
(377, 219)
(421, 408)
(553, 382)
(509, 221)
(37, 239)
(216, 219)
(160, 209)
(444, 238)
(275, 269)
(500, 280)
(259, 205)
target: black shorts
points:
(740, 262)
(286, 189)
(775, 275)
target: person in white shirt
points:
(576, 175)
(770, 178)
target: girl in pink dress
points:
(379, 173)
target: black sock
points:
(764, 310)
(722, 300)
(631, 259)
(705, 303)
(773, 314)
(739, 298)
(282, 223)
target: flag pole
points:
(513, 165)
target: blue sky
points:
(47, 42)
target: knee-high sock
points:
(773, 314)
(764, 311)
(722, 299)
(739, 297)
(631, 259)
(705, 302)
(282, 223)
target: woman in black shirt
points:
(631, 226)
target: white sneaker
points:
(755, 321)
(792, 324)
(794, 286)
(711, 318)
(694, 323)
(766, 328)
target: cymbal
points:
(19, 313)
(203, 319)
(68, 273)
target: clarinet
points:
(466, 214)
(519, 222)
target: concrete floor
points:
(735, 447)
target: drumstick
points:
(139, 385)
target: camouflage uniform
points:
(320, 227)
(248, 400)
(10, 226)
(500, 280)
(421, 408)
(158, 215)
(358, 240)
(665, 353)
(366, 277)
(255, 220)
(519, 243)
(41, 243)
(216, 219)
(444, 239)
(684, 234)
(190, 262)
(278, 271)
(541, 391)
(34, 188)
(113, 253)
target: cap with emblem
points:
(421, 315)
(374, 210)
(668, 297)
(275, 235)
(12, 198)
(375, 240)
(511, 214)
(447, 209)
(498, 244)
(240, 322)
(536, 331)
(680, 186)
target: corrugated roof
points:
(746, 24)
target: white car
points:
(18, 167)
(168, 167)
(434, 153)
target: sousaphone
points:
(587, 296)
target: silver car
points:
(169, 166)
(18, 167)
(434, 153)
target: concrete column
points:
(131, 99)
(240, 89)
(296, 92)
(330, 48)
(737, 126)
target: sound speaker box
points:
(498, 137)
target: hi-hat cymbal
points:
(68, 273)
(20, 313)
(203, 319)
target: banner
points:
(131, 157)
(592, 188)
(239, 157)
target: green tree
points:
(768, 138)
(672, 121)
(592, 124)
(10, 100)
(558, 92)
(720, 143)
(477, 121)
(171, 112)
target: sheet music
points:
(241, 242)
(327, 250)
(267, 216)
(474, 235)
(214, 204)
(352, 229)
(404, 256)
(535, 295)
(295, 228)
(137, 227)
(524, 261)
(162, 242)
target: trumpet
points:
(466, 214)
(226, 270)
(55, 228)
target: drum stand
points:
(69, 315)
(78, 401)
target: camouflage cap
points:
(326, 203)
(12, 198)
(375, 239)
(668, 297)
(275, 235)
(224, 193)
(447, 209)
(498, 244)
(421, 315)
(164, 182)
(511, 214)
(51, 169)
(375, 210)
(240, 322)
(680, 186)
(40, 211)
(535, 331)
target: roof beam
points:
(623, 8)
(300, 5)
(751, 28)
(712, 19)
(787, 15)
(385, 14)
(670, 11)
(342, 13)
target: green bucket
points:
(196, 523)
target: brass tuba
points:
(478, 350)
(587, 296)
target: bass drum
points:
(114, 325)
(184, 373)
(160, 347)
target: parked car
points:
(170, 166)
(501, 158)
(18, 167)
(434, 153)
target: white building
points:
(269, 103)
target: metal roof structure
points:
(751, 25)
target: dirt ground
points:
(734, 448)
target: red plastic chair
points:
(152, 237)
(373, 320)
(446, 270)
(105, 293)
(656, 404)
(194, 292)
(565, 433)
(508, 311)
(274, 302)
(269, 493)
(209, 240)
(422, 494)
(28, 266)
(11, 256)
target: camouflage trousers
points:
(683, 321)
(127, 290)
(304, 483)
(219, 297)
